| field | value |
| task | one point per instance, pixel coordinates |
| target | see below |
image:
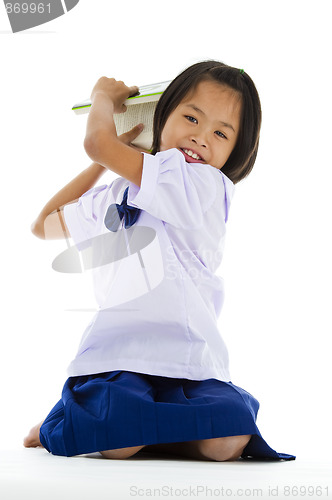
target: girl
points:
(151, 372)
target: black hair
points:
(243, 156)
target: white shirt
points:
(159, 298)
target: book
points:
(140, 109)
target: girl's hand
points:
(117, 91)
(131, 135)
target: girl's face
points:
(205, 125)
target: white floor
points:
(35, 474)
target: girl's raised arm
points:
(101, 142)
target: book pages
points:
(140, 113)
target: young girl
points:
(151, 372)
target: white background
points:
(276, 317)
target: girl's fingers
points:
(117, 91)
(111, 86)
(129, 136)
(131, 90)
(134, 90)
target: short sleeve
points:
(229, 193)
(83, 218)
(175, 191)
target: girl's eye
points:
(191, 119)
(220, 134)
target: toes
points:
(32, 439)
(30, 442)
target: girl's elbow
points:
(88, 145)
(93, 145)
(37, 230)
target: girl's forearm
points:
(73, 190)
(100, 119)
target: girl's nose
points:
(199, 140)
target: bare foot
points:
(32, 439)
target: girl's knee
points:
(121, 453)
(225, 448)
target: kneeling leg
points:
(223, 449)
(121, 453)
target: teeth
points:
(193, 155)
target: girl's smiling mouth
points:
(191, 156)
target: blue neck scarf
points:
(116, 212)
